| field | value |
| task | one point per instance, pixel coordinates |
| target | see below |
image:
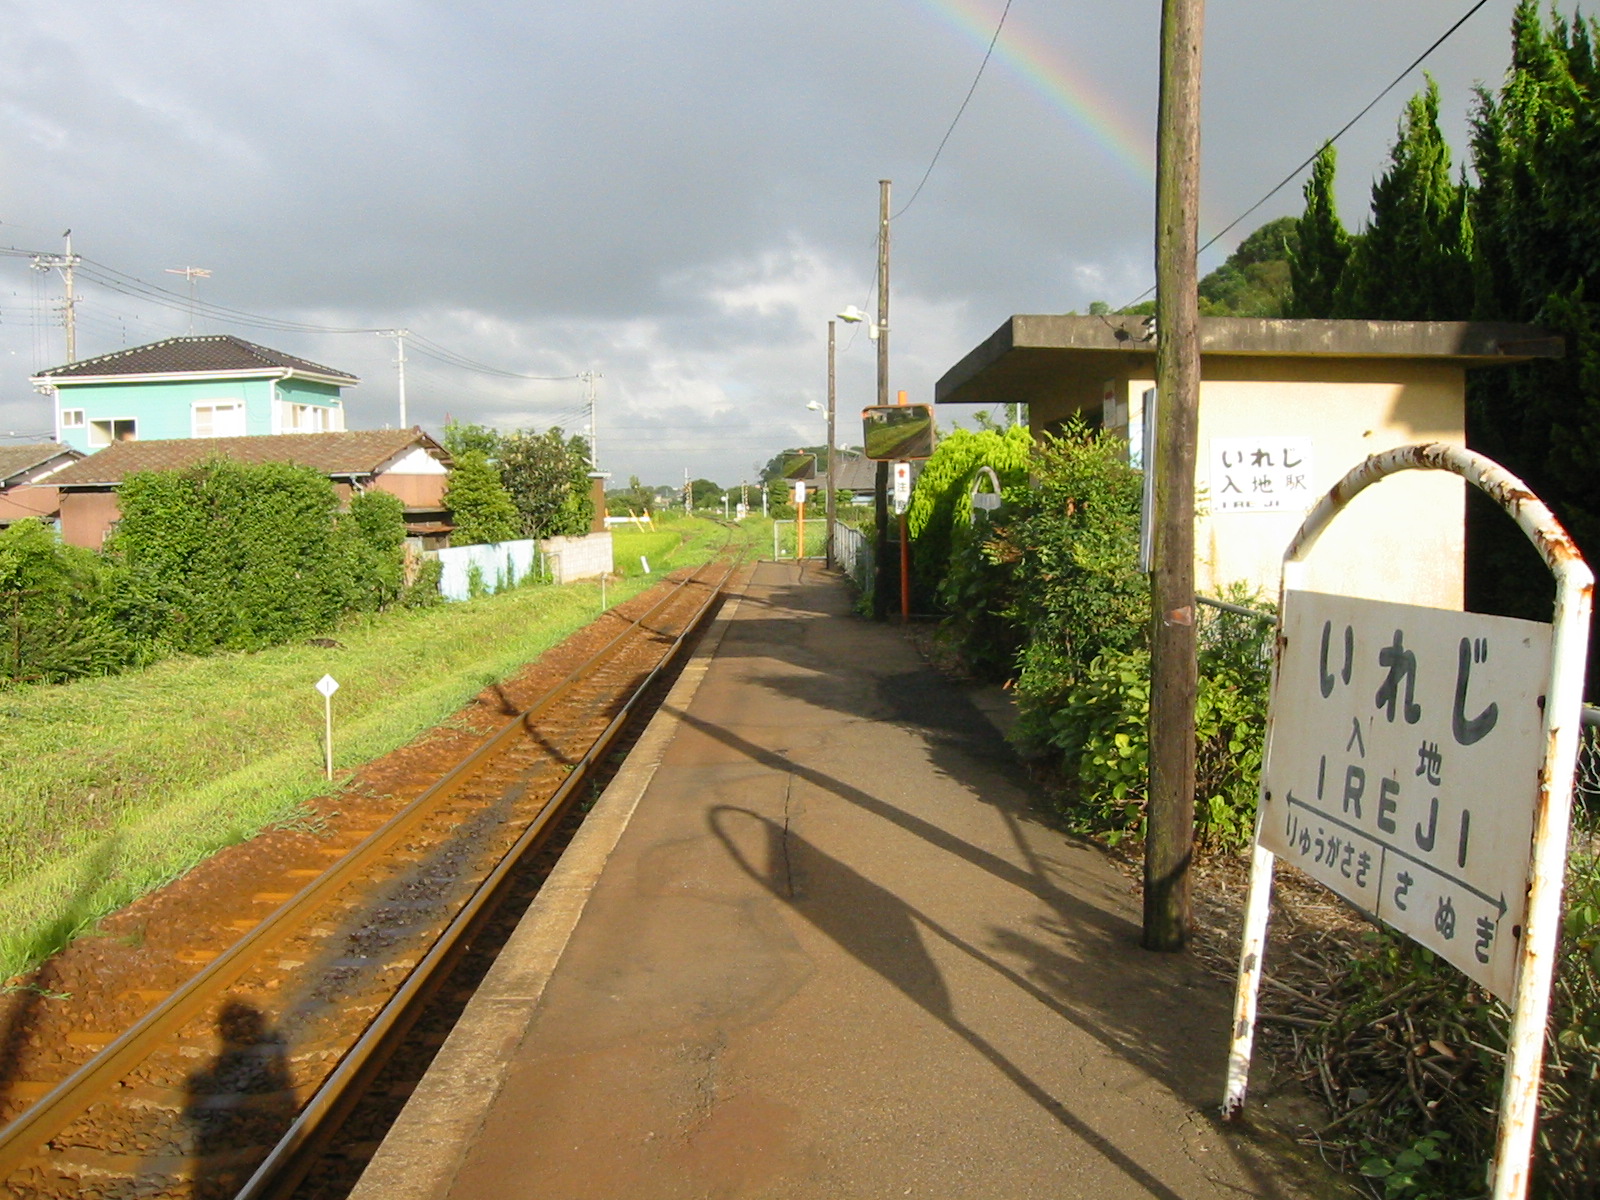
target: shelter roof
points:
(1030, 357)
(337, 455)
(219, 354)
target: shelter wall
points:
(1402, 540)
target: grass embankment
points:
(114, 786)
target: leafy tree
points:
(481, 507)
(705, 494)
(1254, 280)
(635, 498)
(547, 475)
(458, 439)
(1317, 263)
(1414, 259)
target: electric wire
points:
(966, 100)
(1343, 129)
(130, 285)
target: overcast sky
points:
(676, 196)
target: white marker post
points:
(328, 685)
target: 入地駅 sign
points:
(1402, 767)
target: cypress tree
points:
(1317, 265)
(1414, 259)
(1537, 214)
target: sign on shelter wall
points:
(1261, 474)
(1403, 756)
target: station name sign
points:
(1402, 767)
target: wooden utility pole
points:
(1169, 844)
(881, 570)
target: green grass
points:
(113, 786)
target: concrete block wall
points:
(573, 558)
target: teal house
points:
(192, 387)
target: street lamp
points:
(853, 315)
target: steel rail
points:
(284, 1168)
(21, 1138)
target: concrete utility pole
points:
(399, 336)
(832, 395)
(588, 378)
(880, 508)
(69, 302)
(1169, 844)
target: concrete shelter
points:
(1286, 408)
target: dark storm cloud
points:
(675, 195)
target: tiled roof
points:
(357, 452)
(852, 473)
(183, 355)
(18, 459)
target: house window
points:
(223, 419)
(308, 418)
(103, 433)
(72, 418)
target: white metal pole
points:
(327, 740)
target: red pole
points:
(800, 533)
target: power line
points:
(966, 100)
(1343, 129)
(129, 285)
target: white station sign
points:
(1402, 766)
(902, 486)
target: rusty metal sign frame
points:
(1519, 1097)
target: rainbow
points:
(1046, 72)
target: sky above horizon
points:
(676, 197)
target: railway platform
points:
(811, 942)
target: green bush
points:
(1076, 588)
(1100, 729)
(940, 503)
(977, 587)
(57, 618)
(239, 556)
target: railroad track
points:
(230, 1086)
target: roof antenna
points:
(191, 274)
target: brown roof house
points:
(1286, 408)
(404, 462)
(26, 471)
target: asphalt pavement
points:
(815, 942)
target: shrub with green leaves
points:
(941, 505)
(1076, 586)
(238, 556)
(57, 619)
(1100, 729)
(977, 588)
